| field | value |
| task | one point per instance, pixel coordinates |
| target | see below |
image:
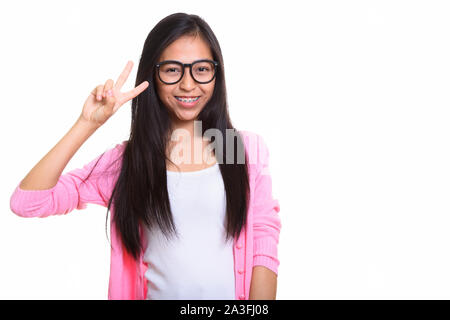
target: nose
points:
(186, 82)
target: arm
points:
(46, 172)
(74, 189)
(44, 191)
(266, 230)
(101, 104)
(264, 284)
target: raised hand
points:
(105, 99)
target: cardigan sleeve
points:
(70, 191)
(266, 221)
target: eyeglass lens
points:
(201, 71)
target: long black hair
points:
(140, 193)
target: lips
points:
(187, 103)
(187, 99)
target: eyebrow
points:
(186, 62)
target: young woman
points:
(203, 227)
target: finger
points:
(110, 95)
(108, 85)
(97, 92)
(124, 75)
(136, 91)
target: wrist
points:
(88, 125)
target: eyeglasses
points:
(172, 71)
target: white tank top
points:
(199, 264)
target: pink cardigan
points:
(256, 245)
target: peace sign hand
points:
(105, 100)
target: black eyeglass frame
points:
(183, 66)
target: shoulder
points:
(115, 151)
(110, 160)
(255, 146)
(251, 138)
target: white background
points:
(351, 97)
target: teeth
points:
(187, 100)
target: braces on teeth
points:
(187, 100)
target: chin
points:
(186, 116)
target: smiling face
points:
(185, 49)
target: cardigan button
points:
(242, 297)
(241, 271)
(239, 246)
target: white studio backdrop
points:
(351, 97)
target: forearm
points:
(263, 284)
(46, 172)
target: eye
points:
(170, 68)
(202, 69)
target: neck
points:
(185, 125)
(189, 132)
